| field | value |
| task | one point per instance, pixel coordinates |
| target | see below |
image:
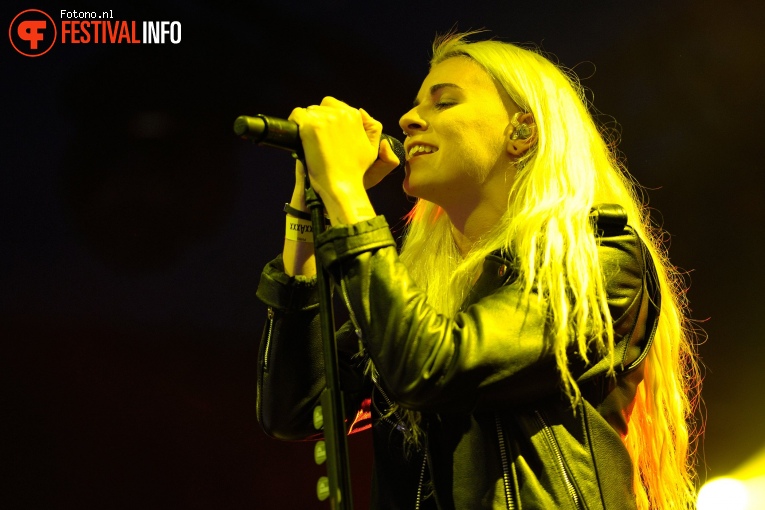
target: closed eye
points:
(444, 104)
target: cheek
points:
(479, 153)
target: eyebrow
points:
(435, 88)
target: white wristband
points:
(298, 229)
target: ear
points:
(522, 134)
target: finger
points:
(335, 103)
(297, 115)
(370, 121)
(371, 126)
(378, 171)
(387, 154)
(299, 170)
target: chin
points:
(413, 190)
(406, 185)
(409, 188)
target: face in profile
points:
(457, 134)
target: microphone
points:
(284, 134)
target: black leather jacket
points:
(499, 431)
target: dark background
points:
(135, 225)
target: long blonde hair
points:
(546, 228)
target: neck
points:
(472, 220)
(474, 215)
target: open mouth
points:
(416, 150)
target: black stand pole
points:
(332, 403)
(284, 134)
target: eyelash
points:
(444, 104)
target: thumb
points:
(387, 154)
(372, 127)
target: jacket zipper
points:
(505, 463)
(268, 338)
(422, 480)
(398, 426)
(559, 458)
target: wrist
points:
(347, 205)
(297, 213)
(297, 200)
(298, 229)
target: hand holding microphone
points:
(285, 134)
(340, 144)
(342, 149)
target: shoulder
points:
(621, 253)
(629, 275)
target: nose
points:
(411, 121)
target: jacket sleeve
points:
(291, 360)
(492, 353)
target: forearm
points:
(291, 358)
(493, 352)
(298, 256)
(348, 204)
(345, 205)
(291, 376)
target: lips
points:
(416, 149)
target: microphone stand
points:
(284, 134)
(332, 412)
